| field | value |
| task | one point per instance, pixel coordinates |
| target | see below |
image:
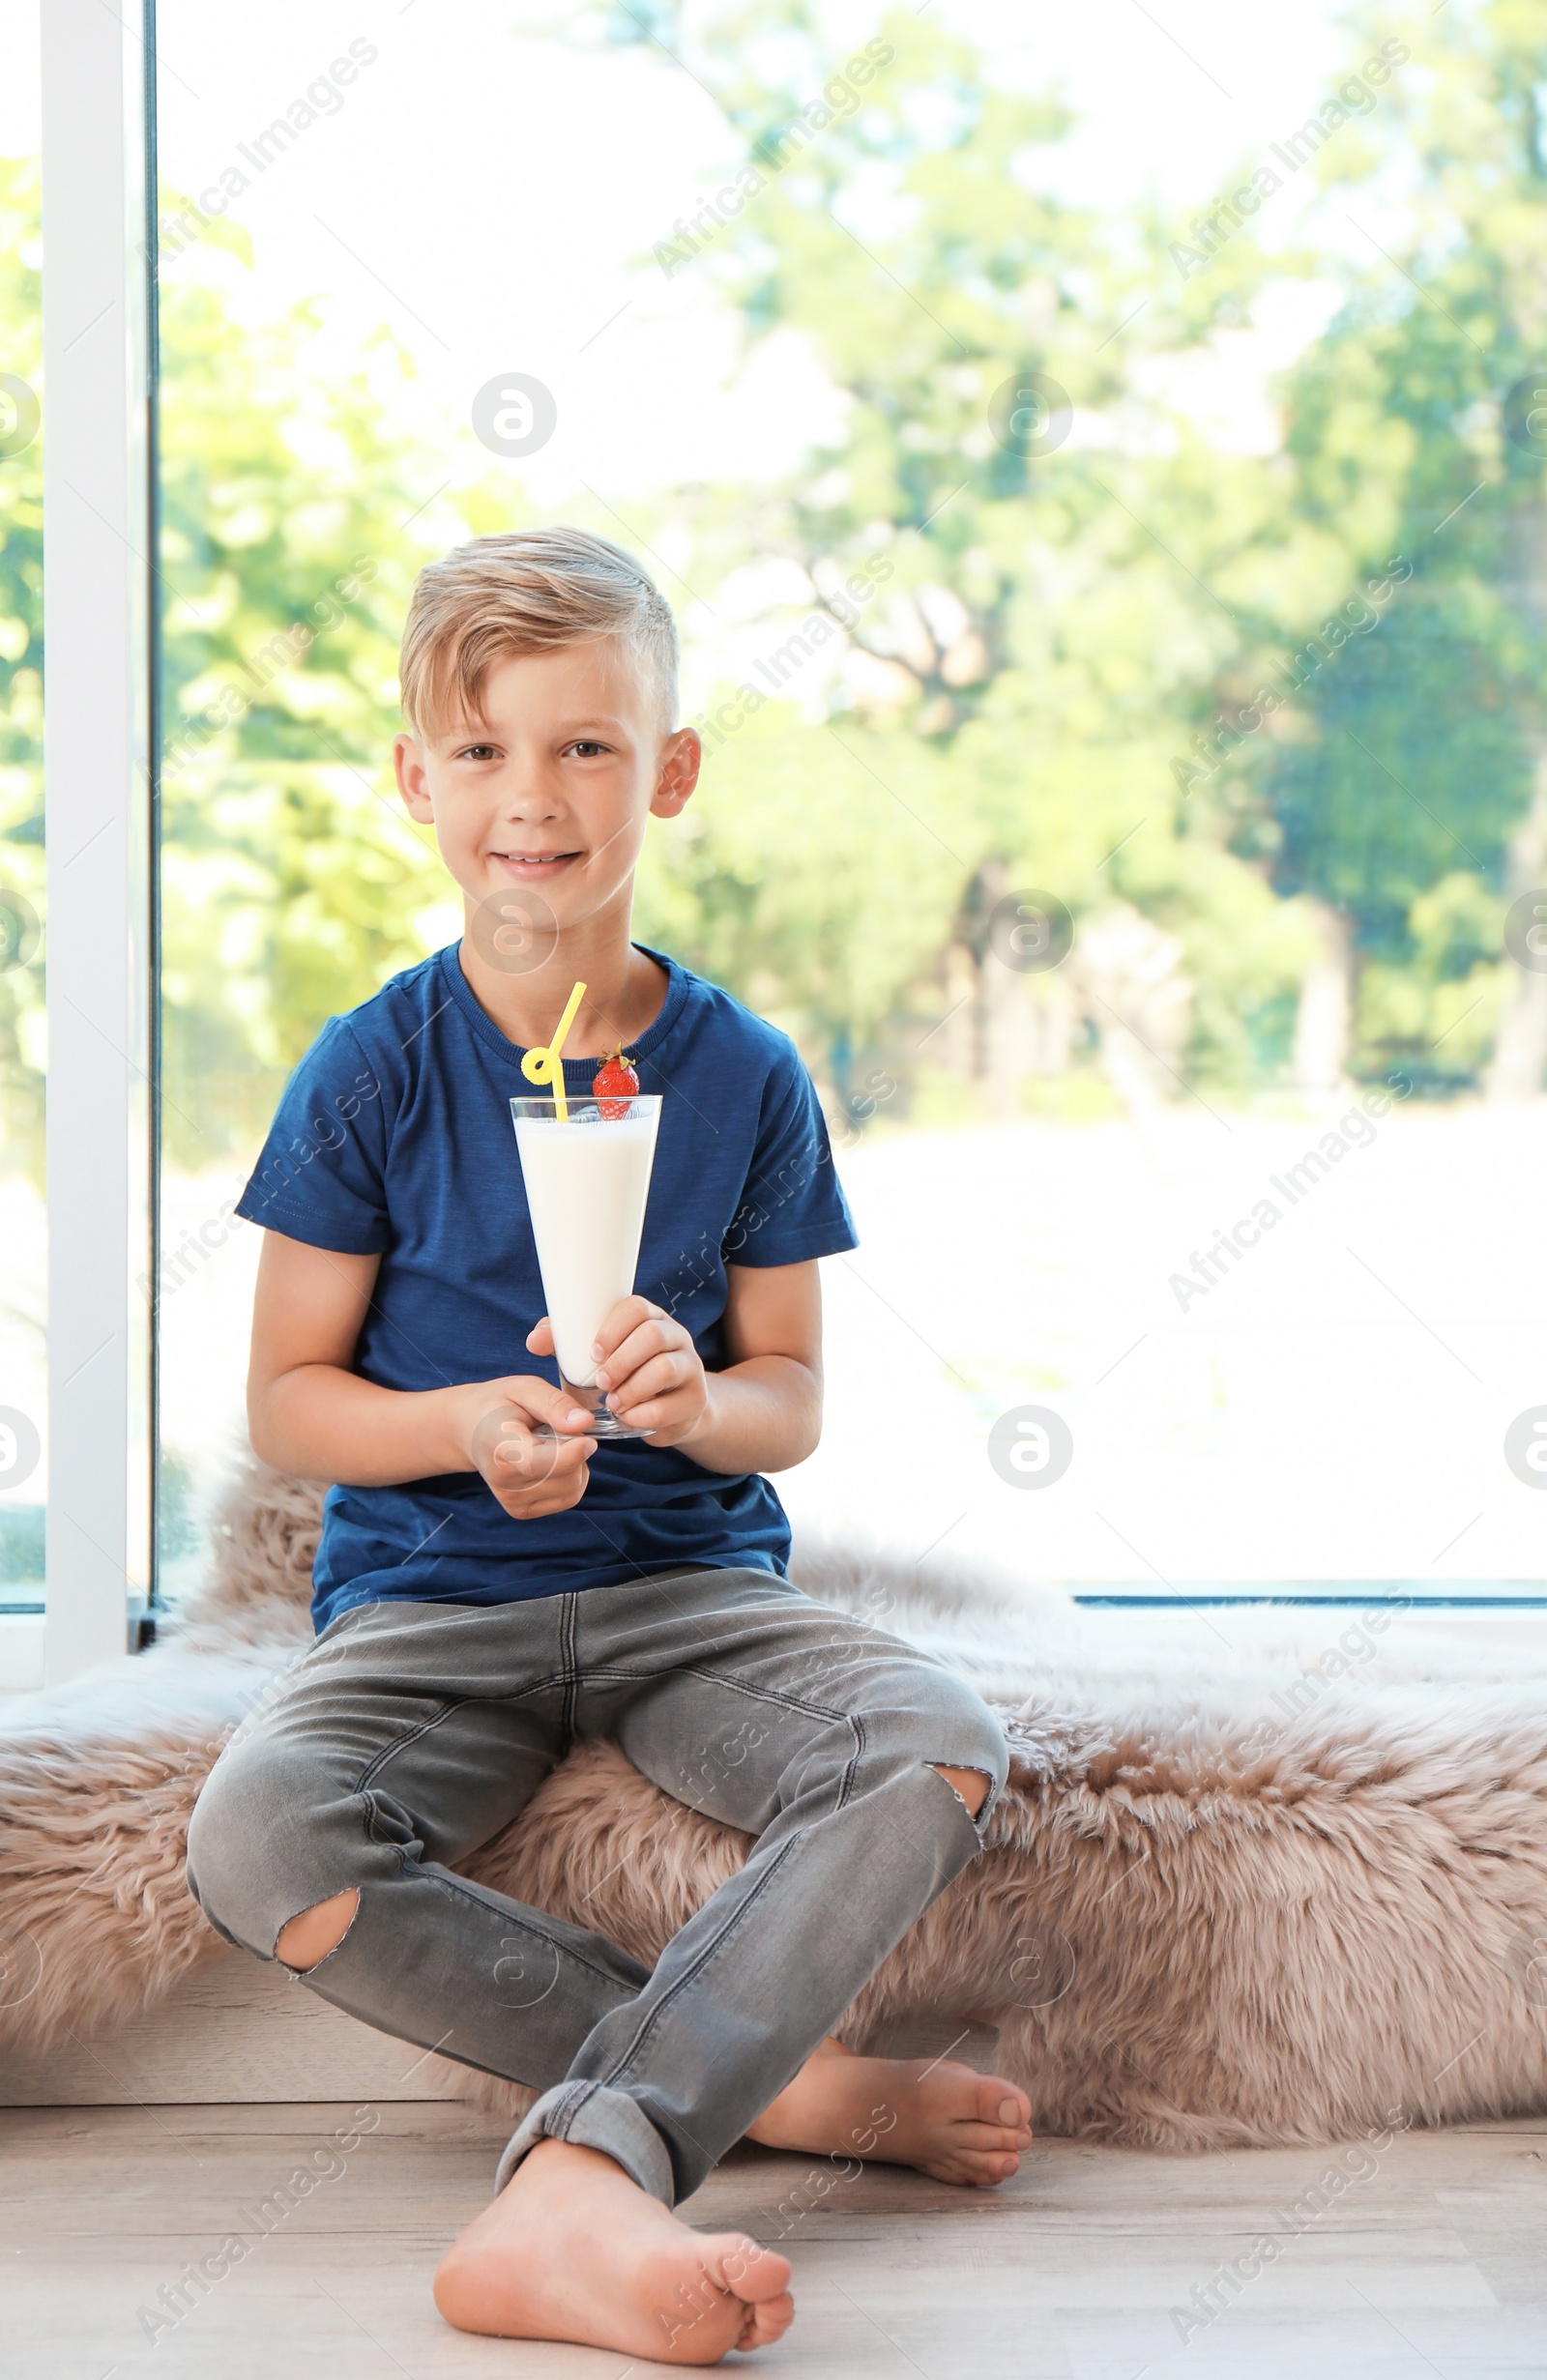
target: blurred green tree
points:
(1050, 607)
(1408, 790)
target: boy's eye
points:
(586, 747)
(477, 751)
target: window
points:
(1105, 531)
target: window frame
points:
(99, 749)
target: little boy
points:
(494, 1583)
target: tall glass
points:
(587, 1177)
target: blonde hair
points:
(531, 592)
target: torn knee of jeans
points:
(310, 1946)
(979, 1784)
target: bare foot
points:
(946, 2119)
(572, 2248)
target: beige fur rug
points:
(1260, 1876)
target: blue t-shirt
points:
(395, 1137)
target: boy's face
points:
(551, 788)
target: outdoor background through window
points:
(23, 1063)
(1099, 468)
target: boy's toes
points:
(1001, 2102)
(976, 2168)
(766, 2322)
(747, 2270)
(978, 2140)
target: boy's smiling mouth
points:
(528, 866)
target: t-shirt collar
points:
(577, 1071)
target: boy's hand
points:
(527, 1475)
(649, 1367)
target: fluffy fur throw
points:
(1284, 1887)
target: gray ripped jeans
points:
(412, 1733)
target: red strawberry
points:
(614, 1085)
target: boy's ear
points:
(413, 779)
(681, 757)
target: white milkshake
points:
(587, 1179)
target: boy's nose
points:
(528, 798)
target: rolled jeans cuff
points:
(594, 2117)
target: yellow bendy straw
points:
(547, 1065)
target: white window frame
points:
(98, 746)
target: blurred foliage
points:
(1413, 760)
(811, 882)
(180, 1527)
(293, 884)
(1057, 676)
(1032, 660)
(22, 1533)
(21, 855)
(1413, 763)
(1123, 599)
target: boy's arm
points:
(763, 1413)
(311, 1413)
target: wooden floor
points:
(1435, 2264)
